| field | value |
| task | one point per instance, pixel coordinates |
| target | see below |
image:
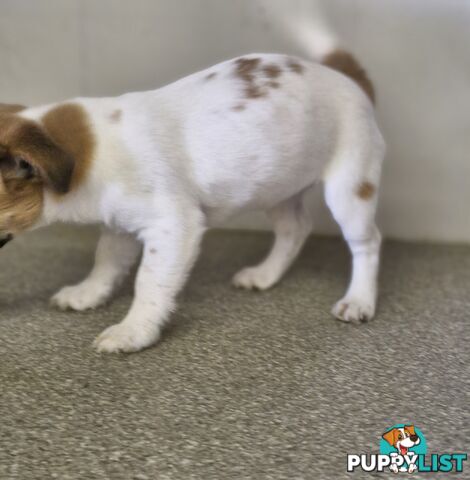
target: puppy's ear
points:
(390, 436)
(410, 429)
(36, 154)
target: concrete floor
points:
(243, 385)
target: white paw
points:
(254, 278)
(123, 337)
(412, 468)
(353, 310)
(80, 297)
(394, 468)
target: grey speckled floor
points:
(243, 385)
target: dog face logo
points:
(403, 441)
(402, 438)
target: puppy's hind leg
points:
(292, 225)
(351, 194)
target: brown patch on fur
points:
(153, 251)
(11, 108)
(245, 69)
(272, 71)
(210, 76)
(345, 63)
(274, 84)
(295, 66)
(365, 190)
(253, 91)
(115, 117)
(69, 127)
(238, 108)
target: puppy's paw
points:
(80, 297)
(353, 310)
(412, 468)
(254, 278)
(124, 337)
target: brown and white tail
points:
(318, 41)
(346, 63)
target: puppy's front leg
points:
(115, 254)
(170, 249)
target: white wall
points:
(417, 52)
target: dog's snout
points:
(4, 240)
(413, 438)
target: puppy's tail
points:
(316, 38)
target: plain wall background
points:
(416, 51)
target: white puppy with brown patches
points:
(158, 168)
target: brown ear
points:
(390, 436)
(50, 162)
(10, 108)
(411, 429)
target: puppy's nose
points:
(5, 240)
(413, 438)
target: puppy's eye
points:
(23, 164)
(27, 171)
(400, 437)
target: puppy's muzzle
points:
(4, 240)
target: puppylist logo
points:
(403, 450)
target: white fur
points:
(181, 159)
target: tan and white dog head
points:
(35, 156)
(402, 438)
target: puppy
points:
(402, 439)
(158, 168)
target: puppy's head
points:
(30, 162)
(402, 438)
